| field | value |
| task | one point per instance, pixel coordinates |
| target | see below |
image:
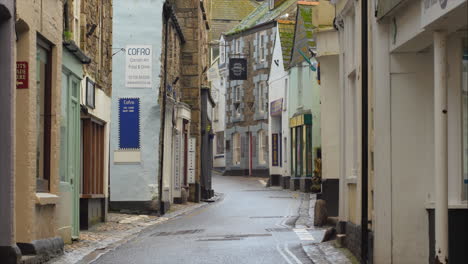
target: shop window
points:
(90, 93)
(220, 142)
(262, 146)
(236, 156)
(92, 178)
(465, 118)
(43, 114)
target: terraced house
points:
(248, 53)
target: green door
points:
(74, 153)
(69, 151)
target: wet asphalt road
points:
(248, 225)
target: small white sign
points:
(191, 160)
(435, 9)
(177, 165)
(138, 66)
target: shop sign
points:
(434, 9)
(238, 69)
(276, 107)
(213, 73)
(191, 159)
(22, 75)
(300, 120)
(274, 148)
(138, 66)
(129, 123)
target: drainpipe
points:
(166, 14)
(440, 147)
(365, 132)
(9, 252)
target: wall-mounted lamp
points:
(91, 28)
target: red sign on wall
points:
(22, 75)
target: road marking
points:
(286, 246)
(303, 234)
(278, 248)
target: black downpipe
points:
(365, 132)
(166, 13)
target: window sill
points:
(351, 180)
(46, 198)
(452, 205)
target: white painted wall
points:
(412, 154)
(330, 124)
(404, 135)
(277, 85)
(218, 92)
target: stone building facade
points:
(95, 38)
(193, 21)
(223, 15)
(246, 134)
(175, 119)
(39, 50)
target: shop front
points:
(301, 151)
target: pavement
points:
(248, 223)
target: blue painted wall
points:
(136, 22)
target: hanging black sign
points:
(238, 69)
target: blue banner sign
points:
(129, 123)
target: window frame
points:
(222, 52)
(262, 46)
(43, 183)
(236, 157)
(261, 99)
(77, 21)
(464, 120)
(262, 147)
(285, 100)
(220, 143)
(88, 103)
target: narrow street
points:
(249, 224)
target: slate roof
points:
(261, 15)
(286, 34)
(304, 33)
(231, 10)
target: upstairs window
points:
(43, 114)
(285, 97)
(76, 21)
(237, 94)
(262, 47)
(261, 97)
(90, 93)
(222, 52)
